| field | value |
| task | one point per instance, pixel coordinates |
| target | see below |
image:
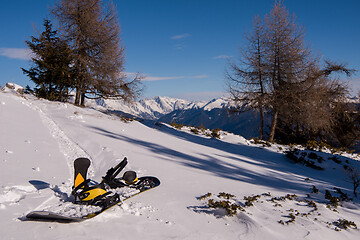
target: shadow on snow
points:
(231, 161)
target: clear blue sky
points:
(183, 45)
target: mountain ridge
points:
(154, 108)
(211, 114)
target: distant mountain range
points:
(212, 114)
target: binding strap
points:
(89, 195)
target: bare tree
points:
(345, 121)
(247, 81)
(279, 75)
(309, 109)
(93, 32)
(272, 65)
(288, 61)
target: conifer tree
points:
(51, 72)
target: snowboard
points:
(81, 191)
(143, 184)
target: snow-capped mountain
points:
(147, 108)
(157, 107)
(212, 114)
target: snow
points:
(13, 87)
(41, 139)
(158, 106)
(145, 108)
(218, 103)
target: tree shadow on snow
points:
(232, 161)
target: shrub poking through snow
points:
(322, 146)
(205, 196)
(344, 224)
(230, 206)
(215, 133)
(226, 204)
(249, 200)
(314, 189)
(317, 146)
(343, 196)
(127, 119)
(291, 220)
(226, 195)
(259, 141)
(307, 160)
(333, 201)
(283, 198)
(311, 204)
(194, 130)
(177, 125)
(319, 157)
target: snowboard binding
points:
(128, 178)
(98, 195)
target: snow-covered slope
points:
(40, 140)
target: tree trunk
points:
(261, 123)
(77, 97)
(82, 103)
(273, 126)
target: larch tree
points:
(93, 32)
(288, 61)
(310, 113)
(279, 75)
(247, 80)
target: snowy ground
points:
(40, 140)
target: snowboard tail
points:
(46, 216)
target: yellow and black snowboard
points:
(97, 195)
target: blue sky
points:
(183, 46)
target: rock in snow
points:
(12, 87)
